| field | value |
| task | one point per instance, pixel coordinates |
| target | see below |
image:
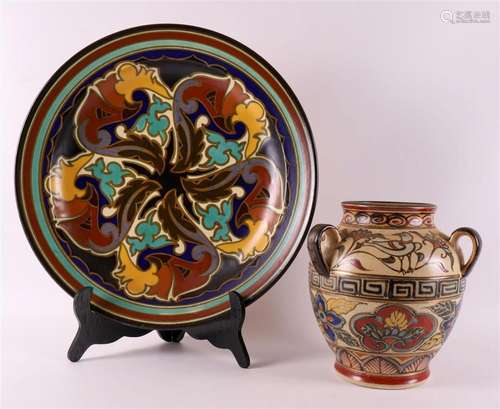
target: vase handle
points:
(322, 256)
(466, 266)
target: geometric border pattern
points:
(423, 220)
(385, 288)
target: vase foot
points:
(382, 381)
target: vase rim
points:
(388, 206)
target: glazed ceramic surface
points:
(386, 287)
(166, 166)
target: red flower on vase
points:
(393, 327)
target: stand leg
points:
(95, 328)
(226, 332)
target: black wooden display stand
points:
(95, 328)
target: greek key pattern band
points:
(388, 288)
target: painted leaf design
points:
(175, 221)
(143, 149)
(212, 187)
(357, 245)
(346, 338)
(388, 260)
(134, 279)
(190, 144)
(341, 305)
(435, 341)
(445, 309)
(373, 332)
(132, 197)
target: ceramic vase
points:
(386, 287)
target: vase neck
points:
(402, 215)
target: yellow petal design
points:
(253, 116)
(135, 280)
(341, 305)
(61, 180)
(256, 241)
(133, 76)
(397, 320)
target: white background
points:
(402, 107)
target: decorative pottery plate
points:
(166, 166)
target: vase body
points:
(386, 287)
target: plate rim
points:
(163, 27)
